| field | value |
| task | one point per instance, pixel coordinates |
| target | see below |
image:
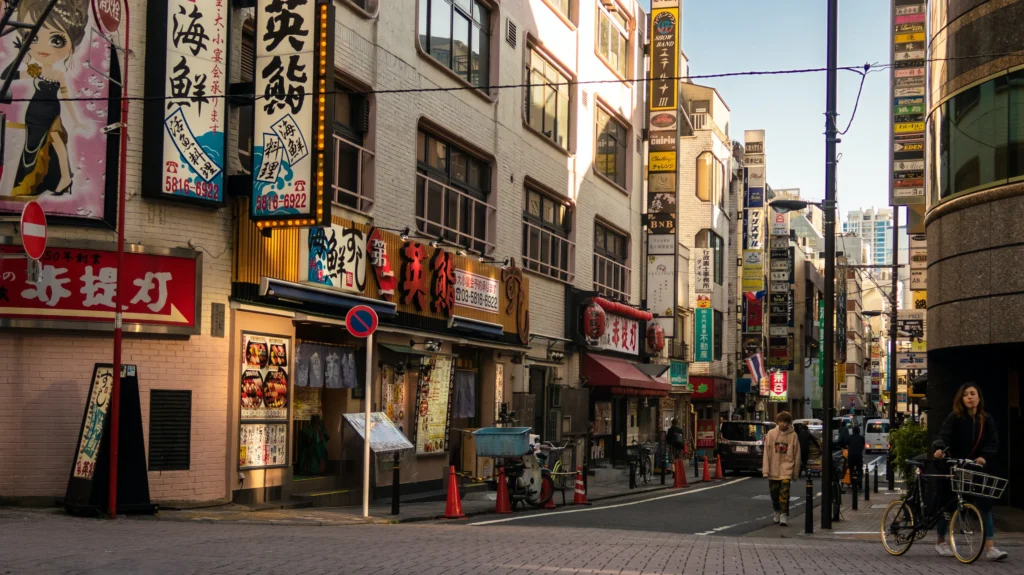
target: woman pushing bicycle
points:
(969, 433)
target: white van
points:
(876, 435)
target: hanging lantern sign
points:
(655, 338)
(594, 320)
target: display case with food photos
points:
(264, 401)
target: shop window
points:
(612, 147)
(612, 36)
(547, 226)
(453, 189)
(547, 99)
(170, 429)
(611, 259)
(353, 158)
(719, 327)
(457, 33)
(709, 239)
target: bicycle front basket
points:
(971, 482)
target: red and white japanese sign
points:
(78, 286)
(778, 386)
(621, 334)
(33, 230)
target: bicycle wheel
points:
(897, 528)
(966, 534)
(540, 497)
(646, 467)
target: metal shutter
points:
(170, 429)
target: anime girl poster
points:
(54, 149)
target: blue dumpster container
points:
(502, 441)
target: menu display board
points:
(264, 401)
(393, 397)
(433, 405)
(262, 445)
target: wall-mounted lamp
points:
(556, 356)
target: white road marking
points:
(603, 507)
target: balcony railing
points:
(457, 216)
(548, 253)
(358, 198)
(678, 349)
(700, 121)
(611, 278)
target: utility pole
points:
(829, 205)
(890, 473)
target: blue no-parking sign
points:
(361, 321)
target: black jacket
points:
(967, 437)
(674, 436)
(844, 436)
(855, 446)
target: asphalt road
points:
(735, 506)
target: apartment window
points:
(457, 33)
(710, 179)
(612, 146)
(247, 71)
(719, 327)
(612, 36)
(611, 254)
(353, 160)
(563, 7)
(547, 99)
(547, 225)
(709, 239)
(452, 193)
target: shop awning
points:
(621, 376)
(403, 349)
(320, 296)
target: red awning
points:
(621, 376)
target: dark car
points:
(741, 444)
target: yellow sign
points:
(665, 67)
(703, 302)
(905, 38)
(909, 127)
(920, 298)
(841, 373)
(662, 161)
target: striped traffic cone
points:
(707, 473)
(580, 497)
(718, 467)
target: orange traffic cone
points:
(580, 498)
(453, 509)
(707, 474)
(502, 505)
(718, 467)
(680, 475)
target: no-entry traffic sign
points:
(33, 230)
(361, 321)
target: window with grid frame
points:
(563, 7)
(353, 160)
(247, 74)
(612, 147)
(709, 239)
(452, 193)
(547, 99)
(612, 40)
(611, 257)
(457, 33)
(547, 226)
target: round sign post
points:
(33, 230)
(361, 322)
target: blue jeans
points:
(986, 521)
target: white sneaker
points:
(994, 554)
(782, 520)
(775, 517)
(943, 550)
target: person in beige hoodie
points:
(781, 463)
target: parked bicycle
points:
(909, 519)
(641, 464)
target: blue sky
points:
(740, 35)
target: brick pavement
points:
(42, 542)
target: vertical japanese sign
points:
(95, 418)
(907, 100)
(703, 270)
(292, 156)
(52, 139)
(662, 188)
(821, 337)
(778, 386)
(705, 330)
(185, 110)
(754, 228)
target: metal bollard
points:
(664, 464)
(396, 485)
(854, 491)
(809, 515)
(867, 484)
(876, 478)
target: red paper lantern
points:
(655, 338)
(594, 320)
